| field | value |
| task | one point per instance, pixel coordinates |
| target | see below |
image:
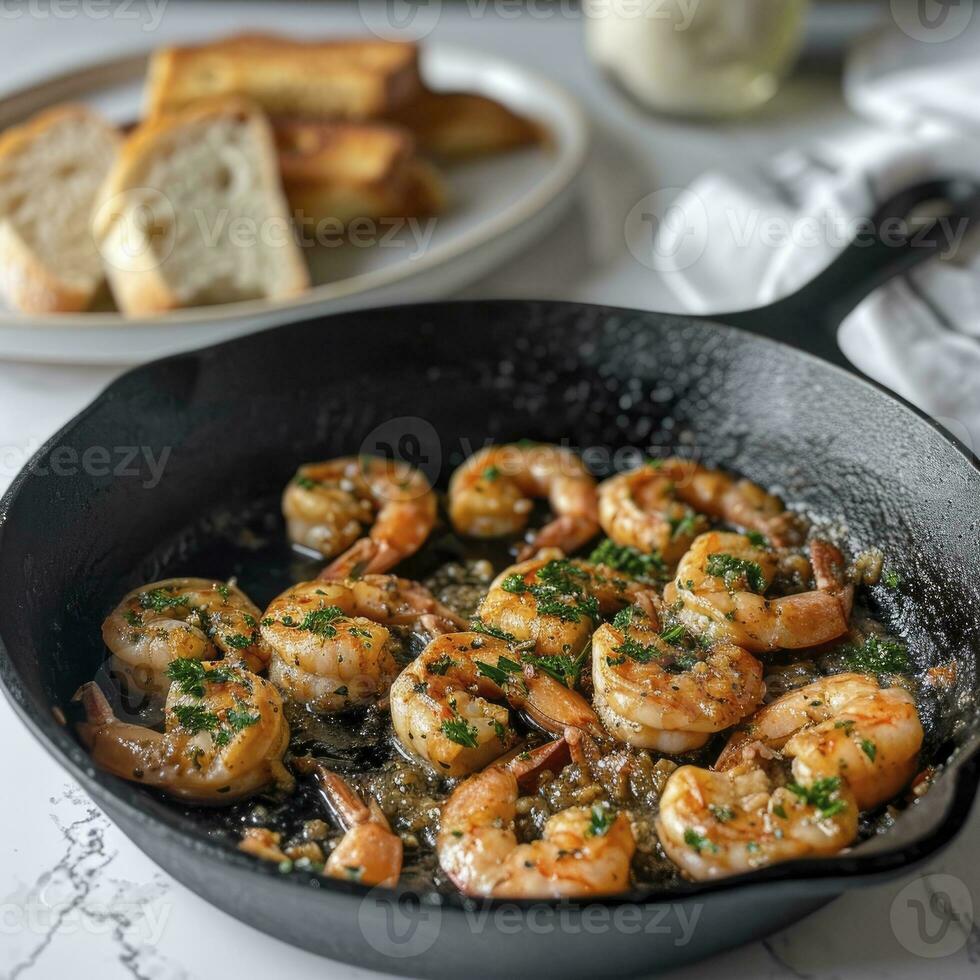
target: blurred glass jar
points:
(705, 58)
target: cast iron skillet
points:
(238, 418)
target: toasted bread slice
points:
(461, 125)
(51, 169)
(193, 213)
(345, 79)
(346, 171)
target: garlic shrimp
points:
(584, 851)
(181, 618)
(841, 726)
(654, 691)
(491, 495)
(330, 641)
(447, 705)
(224, 739)
(329, 505)
(720, 585)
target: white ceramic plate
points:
(500, 206)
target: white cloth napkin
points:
(735, 245)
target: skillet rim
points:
(959, 785)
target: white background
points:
(74, 893)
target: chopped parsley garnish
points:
(757, 540)
(698, 841)
(877, 655)
(564, 668)
(478, 626)
(674, 634)
(491, 473)
(632, 561)
(600, 821)
(688, 524)
(892, 579)
(222, 590)
(721, 813)
(441, 665)
(306, 482)
(847, 724)
(160, 600)
(238, 641)
(822, 794)
(869, 748)
(190, 676)
(461, 732)
(132, 618)
(780, 811)
(557, 592)
(320, 621)
(240, 717)
(501, 672)
(624, 617)
(194, 718)
(737, 572)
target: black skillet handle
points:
(916, 224)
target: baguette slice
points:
(51, 169)
(345, 79)
(461, 125)
(346, 171)
(193, 213)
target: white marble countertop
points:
(73, 891)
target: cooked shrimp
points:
(446, 710)
(720, 586)
(330, 640)
(492, 493)
(664, 505)
(224, 739)
(842, 726)
(554, 602)
(181, 618)
(328, 505)
(652, 691)
(583, 852)
(369, 852)
(713, 824)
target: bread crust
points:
(336, 79)
(464, 125)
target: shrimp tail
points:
(346, 806)
(568, 533)
(98, 712)
(528, 764)
(362, 557)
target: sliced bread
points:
(461, 125)
(344, 79)
(347, 171)
(51, 169)
(193, 213)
